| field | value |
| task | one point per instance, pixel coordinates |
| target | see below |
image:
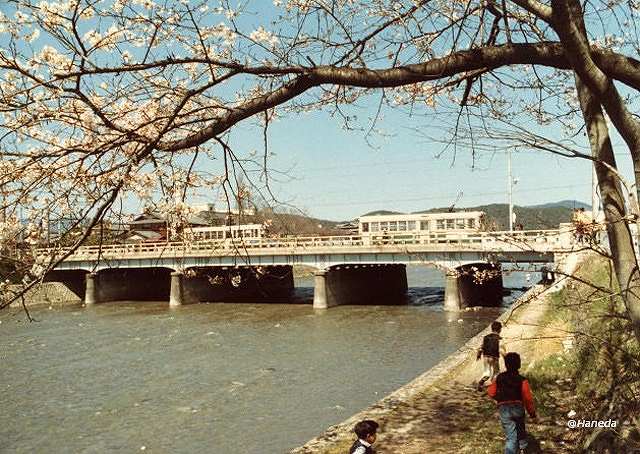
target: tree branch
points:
(546, 54)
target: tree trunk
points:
(620, 241)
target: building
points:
(152, 227)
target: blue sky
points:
(337, 175)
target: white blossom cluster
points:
(424, 92)
(263, 36)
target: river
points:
(218, 378)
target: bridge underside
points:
(237, 284)
(203, 284)
(135, 284)
(360, 284)
(476, 284)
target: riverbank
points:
(440, 411)
(46, 294)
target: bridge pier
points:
(320, 290)
(452, 301)
(91, 288)
(360, 284)
(175, 292)
(476, 284)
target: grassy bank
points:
(583, 363)
(599, 377)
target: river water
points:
(217, 378)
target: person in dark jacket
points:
(513, 395)
(366, 432)
(490, 353)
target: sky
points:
(337, 175)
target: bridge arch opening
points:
(129, 284)
(74, 280)
(360, 284)
(473, 284)
(254, 284)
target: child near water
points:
(490, 353)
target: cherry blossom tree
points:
(104, 100)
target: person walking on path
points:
(366, 432)
(513, 395)
(490, 353)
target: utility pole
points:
(510, 189)
(595, 205)
(20, 225)
(48, 225)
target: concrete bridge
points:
(349, 269)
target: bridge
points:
(349, 269)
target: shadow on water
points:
(425, 296)
(416, 296)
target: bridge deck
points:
(536, 245)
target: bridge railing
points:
(522, 238)
(534, 240)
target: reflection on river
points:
(219, 378)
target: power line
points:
(451, 196)
(413, 161)
(372, 164)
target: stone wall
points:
(52, 293)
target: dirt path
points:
(434, 422)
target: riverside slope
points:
(420, 416)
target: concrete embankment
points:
(46, 293)
(406, 414)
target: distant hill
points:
(295, 223)
(545, 216)
(531, 218)
(572, 204)
(380, 213)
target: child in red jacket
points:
(513, 394)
